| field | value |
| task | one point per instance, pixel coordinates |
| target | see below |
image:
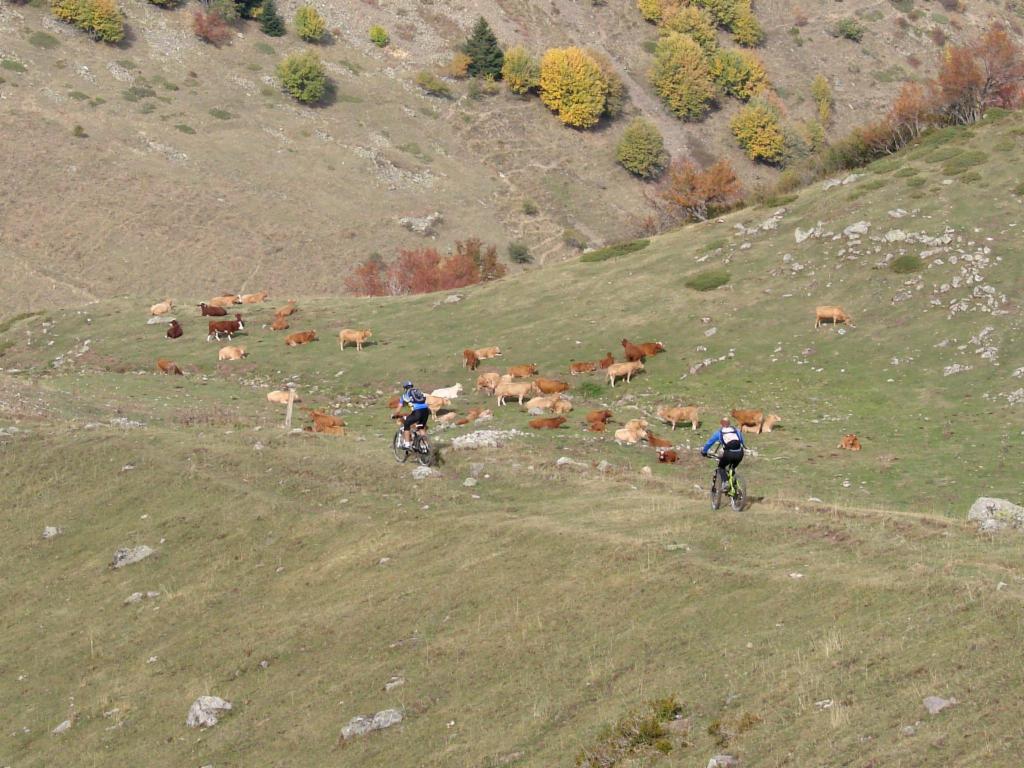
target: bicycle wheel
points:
(401, 454)
(424, 454)
(739, 498)
(716, 492)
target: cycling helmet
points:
(407, 385)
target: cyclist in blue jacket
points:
(419, 411)
(732, 448)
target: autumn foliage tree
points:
(758, 129)
(691, 193)
(424, 270)
(210, 27)
(573, 84)
(681, 77)
(520, 71)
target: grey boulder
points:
(364, 724)
(205, 711)
(129, 555)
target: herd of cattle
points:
(543, 397)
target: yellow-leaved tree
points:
(758, 129)
(573, 85)
(681, 77)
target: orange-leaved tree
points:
(689, 192)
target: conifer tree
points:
(271, 22)
(484, 52)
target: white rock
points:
(361, 725)
(995, 514)
(205, 711)
(565, 461)
(896, 236)
(422, 473)
(605, 466)
(138, 597)
(897, 213)
(469, 482)
(723, 761)
(129, 555)
(857, 228)
(395, 682)
(484, 438)
(935, 704)
(52, 532)
(63, 727)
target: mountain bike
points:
(420, 446)
(735, 488)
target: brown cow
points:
(657, 442)
(677, 414)
(652, 348)
(552, 423)
(205, 310)
(597, 426)
(280, 324)
(228, 327)
(166, 366)
(300, 337)
(598, 416)
(231, 353)
(618, 370)
(287, 310)
(354, 336)
(522, 371)
(633, 352)
(226, 300)
(606, 361)
(849, 442)
(551, 386)
(750, 420)
(324, 422)
(174, 330)
(487, 381)
(470, 359)
(254, 298)
(577, 368)
(486, 353)
(161, 308)
(668, 457)
(833, 315)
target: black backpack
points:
(731, 439)
(417, 397)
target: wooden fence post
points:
(288, 413)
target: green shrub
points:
(13, 66)
(651, 10)
(963, 162)
(271, 22)
(573, 238)
(651, 45)
(43, 40)
(519, 253)
(849, 28)
(379, 36)
(78, 96)
(265, 48)
(821, 92)
(221, 114)
(79, 132)
(680, 76)
(695, 22)
(303, 76)
(611, 251)
(309, 24)
(708, 280)
(1019, 190)
(641, 150)
(970, 177)
(100, 18)
(917, 181)
(739, 73)
(530, 208)
(906, 172)
(188, 129)
(433, 84)
(905, 264)
(520, 71)
(589, 390)
(485, 55)
(137, 93)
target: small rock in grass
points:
(363, 724)
(469, 482)
(52, 532)
(129, 555)
(205, 711)
(62, 728)
(935, 704)
(396, 681)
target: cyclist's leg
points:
(419, 423)
(411, 419)
(723, 478)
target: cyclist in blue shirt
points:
(418, 414)
(732, 448)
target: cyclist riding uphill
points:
(419, 411)
(732, 448)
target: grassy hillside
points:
(533, 609)
(190, 165)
